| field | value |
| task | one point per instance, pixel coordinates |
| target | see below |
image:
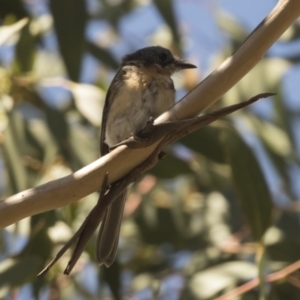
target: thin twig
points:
(250, 285)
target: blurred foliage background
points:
(219, 211)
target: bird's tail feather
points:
(108, 237)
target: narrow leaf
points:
(250, 183)
(25, 50)
(166, 10)
(70, 18)
(103, 55)
(8, 31)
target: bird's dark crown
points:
(148, 56)
(158, 58)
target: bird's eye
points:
(163, 56)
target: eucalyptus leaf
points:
(13, 8)
(15, 272)
(103, 55)
(70, 19)
(209, 283)
(250, 184)
(13, 154)
(166, 10)
(6, 32)
(89, 100)
(112, 276)
(272, 135)
(263, 77)
(42, 135)
(25, 50)
(170, 167)
(207, 142)
(84, 145)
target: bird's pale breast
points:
(141, 94)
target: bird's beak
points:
(183, 65)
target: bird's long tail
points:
(108, 237)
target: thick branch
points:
(166, 133)
(122, 160)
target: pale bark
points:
(119, 162)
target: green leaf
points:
(170, 167)
(114, 11)
(84, 145)
(249, 182)
(8, 31)
(213, 281)
(58, 126)
(38, 129)
(278, 146)
(284, 117)
(265, 76)
(206, 141)
(89, 100)
(14, 137)
(167, 12)
(273, 136)
(15, 272)
(283, 244)
(112, 276)
(13, 7)
(237, 32)
(25, 50)
(103, 55)
(70, 17)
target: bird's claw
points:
(147, 130)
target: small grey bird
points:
(141, 89)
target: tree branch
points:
(166, 133)
(122, 160)
(250, 285)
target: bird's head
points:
(157, 58)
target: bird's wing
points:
(108, 236)
(111, 92)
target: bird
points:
(142, 89)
